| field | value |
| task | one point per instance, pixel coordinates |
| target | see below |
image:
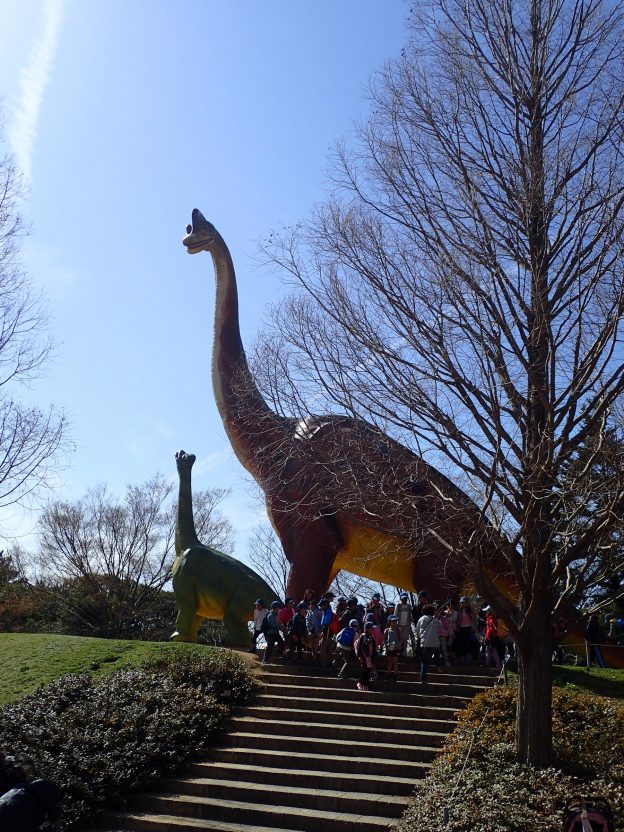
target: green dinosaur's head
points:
(201, 235)
(184, 461)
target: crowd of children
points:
(353, 635)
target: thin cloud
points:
(34, 79)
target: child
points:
(313, 623)
(325, 645)
(366, 650)
(272, 632)
(392, 642)
(260, 613)
(428, 637)
(344, 646)
(403, 612)
(466, 641)
(446, 633)
(298, 631)
(492, 641)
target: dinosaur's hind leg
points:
(311, 548)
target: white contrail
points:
(33, 81)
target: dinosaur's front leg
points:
(186, 626)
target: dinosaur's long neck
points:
(185, 535)
(252, 427)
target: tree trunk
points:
(534, 715)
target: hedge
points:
(495, 794)
(102, 739)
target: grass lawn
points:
(28, 660)
(605, 682)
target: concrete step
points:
(312, 746)
(349, 732)
(366, 706)
(148, 822)
(327, 799)
(333, 761)
(281, 817)
(349, 693)
(434, 686)
(481, 677)
(261, 713)
(339, 780)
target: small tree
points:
(30, 437)
(106, 559)
(463, 289)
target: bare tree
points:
(463, 290)
(121, 549)
(30, 438)
(267, 557)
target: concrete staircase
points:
(311, 755)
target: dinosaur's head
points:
(184, 461)
(201, 235)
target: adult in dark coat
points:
(25, 807)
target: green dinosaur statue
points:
(208, 583)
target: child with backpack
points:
(327, 624)
(345, 641)
(313, 623)
(298, 631)
(366, 650)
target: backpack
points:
(590, 814)
(264, 627)
(334, 627)
(347, 637)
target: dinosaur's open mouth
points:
(199, 233)
(193, 246)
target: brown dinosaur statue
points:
(339, 492)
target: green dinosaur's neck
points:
(185, 535)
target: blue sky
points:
(126, 114)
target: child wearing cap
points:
(493, 646)
(285, 616)
(325, 645)
(260, 614)
(345, 641)
(404, 612)
(298, 631)
(272, 632)
(392, 643)
(366, 650)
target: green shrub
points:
(219, 672)
(495, 794)
(101, 739)
(498, 795)
(588, 731)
